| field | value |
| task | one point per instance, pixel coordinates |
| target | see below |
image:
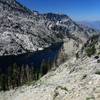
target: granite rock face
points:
(22, 30)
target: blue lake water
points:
(32, 59)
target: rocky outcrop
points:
(91, 47)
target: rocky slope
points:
(73, 80)
(22, 30)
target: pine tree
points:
(15, 78)
(44, 67)
(22, 75)
(3, 82)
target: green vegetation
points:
(90, 98)
(19, 75)
(99, 53)
(97, 72)
(45, 67)
(91, 50)
(98, 61)
(3, 82)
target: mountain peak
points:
(55, 16)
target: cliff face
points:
(21, 30)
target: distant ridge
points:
(92, 24)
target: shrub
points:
(90, 98)
(96, 57)
(90, 50)
(84, 76)
(3, 82)
(77, 55)
(97, 72)
(98, 61)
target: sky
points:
(78, 10)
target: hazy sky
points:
(76, 9)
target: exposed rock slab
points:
(73, 80)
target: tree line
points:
(20, 75)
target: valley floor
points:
(73, 80)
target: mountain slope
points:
(21, 30)
(73, 80)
